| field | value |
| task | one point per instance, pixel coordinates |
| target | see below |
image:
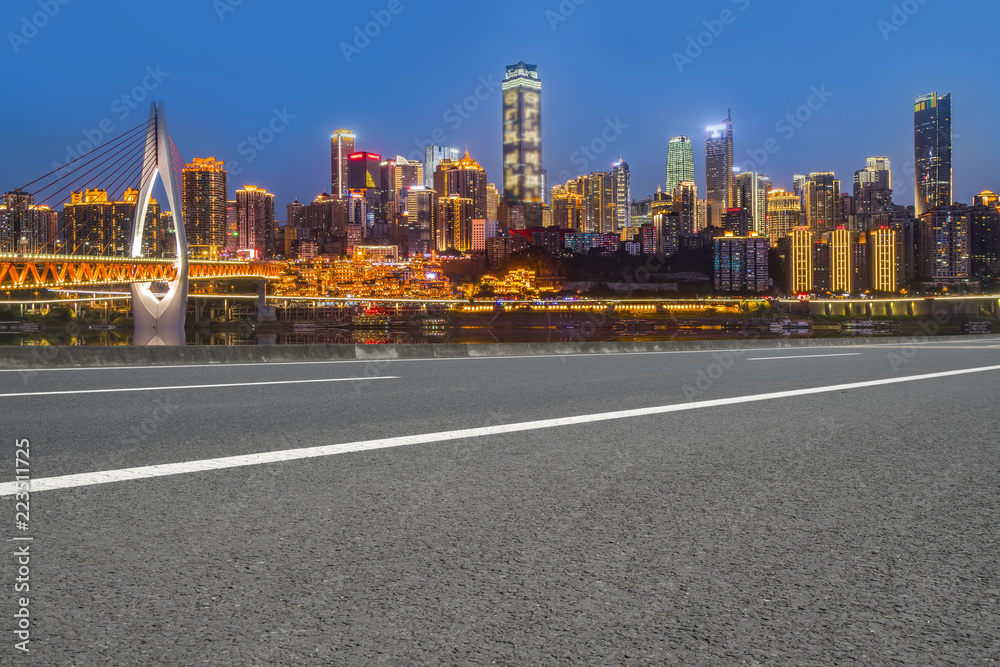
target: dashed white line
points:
(164, 470)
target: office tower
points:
(783, 214)
(522, 135)
(944, 245)
(737, 221)
(822, 201)
(454, 223)
(932, 152)
(463, 178)
(433, 156)
(341, 146)
(255, 218)
(800, 261)
(841, 265)
(421, 220)
(492, 201)
(741, 263)
(622, 184)
(232, 228)
(680, 162)
(567, 209)
(205, 196)
(799, 184)
(398, 176)
(685, 199)
(668, 234)
(98, 225)
(364, 177)
(296, 214)
(883, 268)
(750, 192)
(719, 169)
(872, 188)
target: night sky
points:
(225, 67)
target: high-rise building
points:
(463, 178)
(482, 231)
(685, 200)
(568, 210)
(421, 220)
(741, 263)
(822, 201)
(984, 236)
(205, 197)
(296, 213)
(98, 225)
(599, 203)
(622, 184)
(433, 156)
(986, 198)
(841, 260)
(883, 267)
(454, 223)
(719, 169)
(26, 227)
(800, 261)
(872, 188)
(750, 192)
(492, 201)
(944, 245)
(522, 135)
(680, 162)
(784, 212)
(255, 213)
(932, 152)
(341, 146)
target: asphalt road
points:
(859, 525)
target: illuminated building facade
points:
(932, 152)
(622, 184)
(454, 223)
(522, 135)
(883, 268)
(750, 191)
(255, 215)
(685, 200)
(719, 169)
(26, 227)
(872, 188)
(567, 209)
(421, 221)
(680, 162)
(741, 263)
(463, 178)
(800, 261)
(944, 245)
(482, 231)
(784, 213)
(841, 260)
(822, 201)
(433, 156)
(492, 201)
(984, 236)
(98, 225)
(599, 203)
(341, 146)
(205, 198)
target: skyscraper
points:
(719, 169)
(622, 183)
(750, 192)
(932, 152)
(800, 261)
(255, 218)
(341, 146)
(944, 245)
(685, 199)
(205, 193)
(783, 214)
(463, 178)
(873, 187)
(492, 201)
(822, 201)
(433, 156)
(522, 135)
(680, 162)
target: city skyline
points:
(464, 104)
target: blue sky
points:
(228, 68)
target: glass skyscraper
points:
(719, 169)
(680, 162)
(522, 135)
(932, 151)
(341, 146)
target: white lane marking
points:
(193, 386)
(167, 469)
(807, 356)
(266, 364)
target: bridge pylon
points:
(160, 320)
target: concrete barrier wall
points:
(63, 357)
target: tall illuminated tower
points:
(622, 183)
(341, 146)
(255, 218)
(522, 135)
(822, 201)
(680, 162)
(932, 152)
(719, 168)
(205, 198)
